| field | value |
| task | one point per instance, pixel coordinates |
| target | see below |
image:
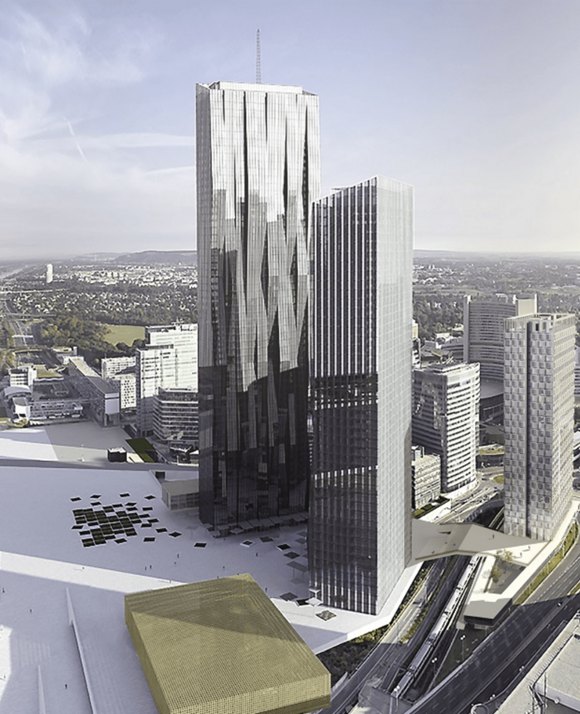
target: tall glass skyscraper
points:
(258, 171)
(360, 341)
(539, 423)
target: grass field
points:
(124, 333)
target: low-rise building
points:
(50, 409)
(102, 396)
(22, 376)
(248, 658)
(180, 494)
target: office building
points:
(426, 476)
(49, 274)
(416, 345)
(175, 417)
(539, 423)
(122, 371)
(483, 329)
(258, 171)
(184, 339)
(22, 376)
(167, 360)
(445, 419)
(100, 397)
(577, 375)
(360, 338)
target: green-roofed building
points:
(222, 647)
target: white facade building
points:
(168, 360)
(22, 376)
(539, 423)
(446, 419)
(122, 371)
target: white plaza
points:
(49, 578)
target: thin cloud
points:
(50, 202)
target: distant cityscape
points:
(304, 468)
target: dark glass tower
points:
(360, 342)
(257, 175)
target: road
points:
(22, 335)
(496, 663)
(389, 658)
(562, 580)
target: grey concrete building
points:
(426, 476)
(101, 398)
(258, 171)
(539, 423)
(445, 419)
(360, 357)
(175, 417)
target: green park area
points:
(124, 333)
(144, 449)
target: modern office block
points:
(184, 339)
(49, 274)
(360, 342)
(175, 417)
(426, 475)
(122, 371)
(483, 329)
(167, 360)
(257, 175)
(445, 419)
(539, 423)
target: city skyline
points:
(96, 146)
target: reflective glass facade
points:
(360, 340)
(258, 170)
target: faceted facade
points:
(446, 418)
(539, 423)
(360, 341)
(258, 170)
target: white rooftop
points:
(46, 572)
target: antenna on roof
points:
(258, 59)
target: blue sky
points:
(474, 102)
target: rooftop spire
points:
(258, 58)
